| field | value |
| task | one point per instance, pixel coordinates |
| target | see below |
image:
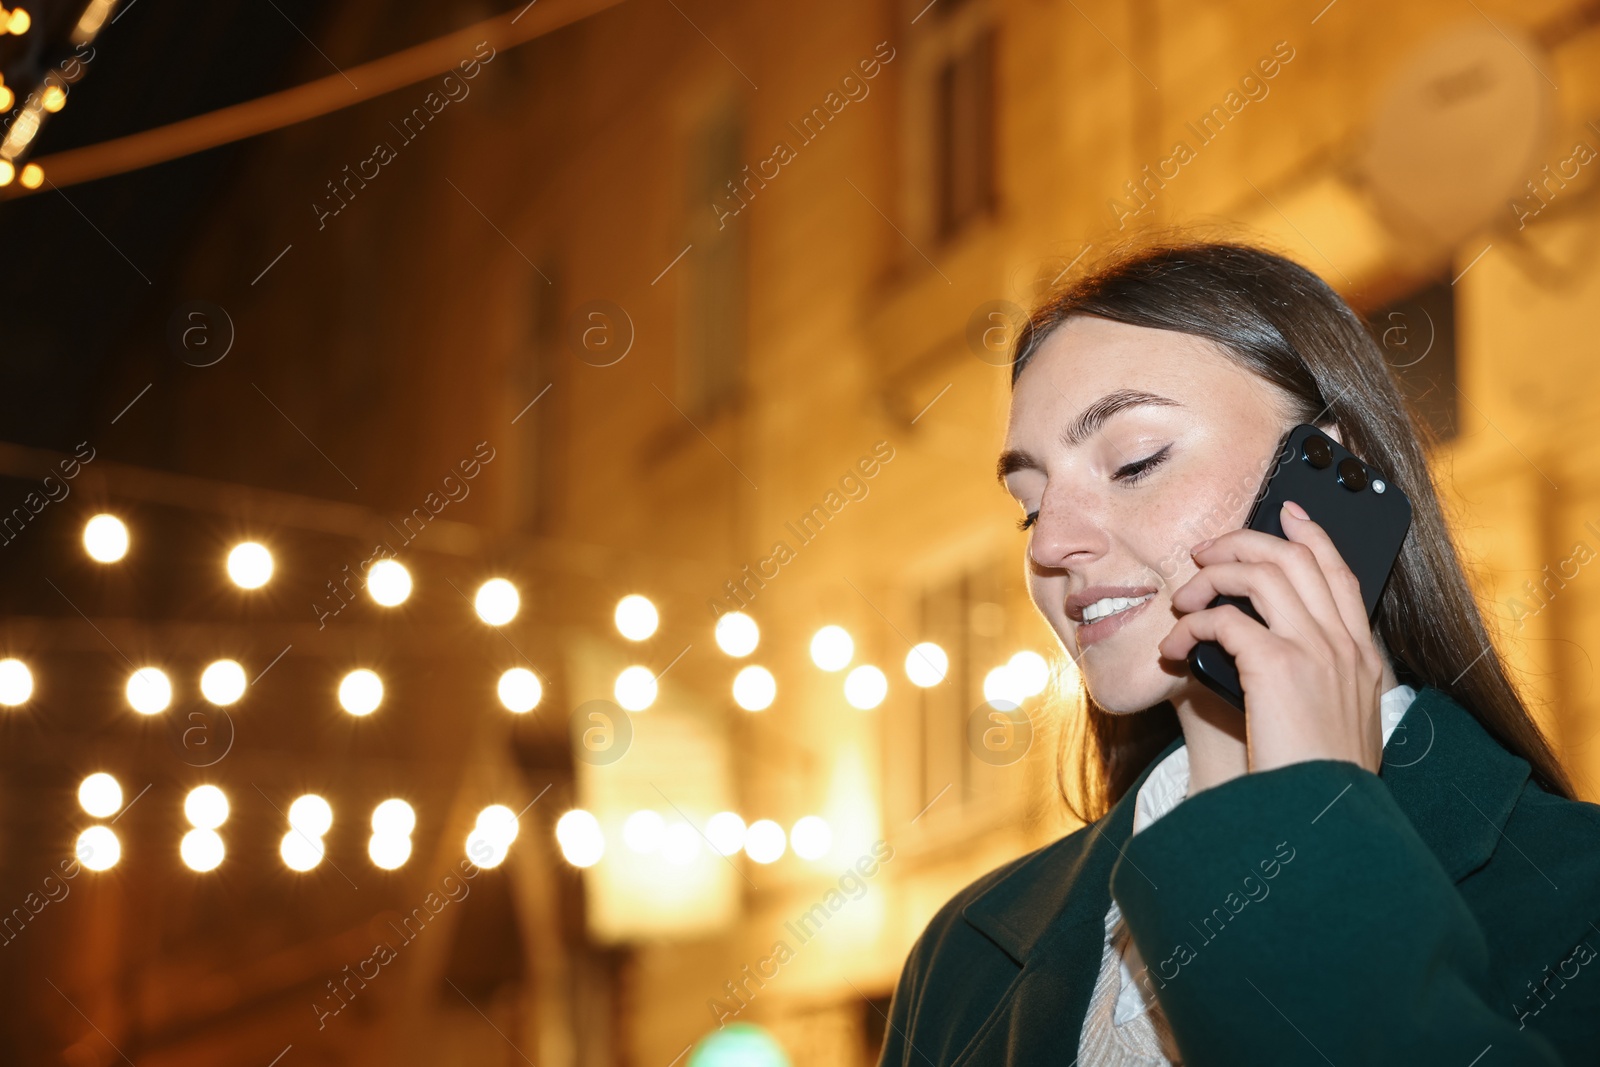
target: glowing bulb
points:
(643, 830)
(832, 648)
(497, 602)
(737, 634)
(361, 692)
(581, 840)
(725, 831)
(388, 582)
(250, 565)
(100, 795)
(389, 851)
(927, 664)
(149, 691)
(223, 682)
(681, 844)
(311, 815)
(1029, 672)
(865, 687)
(19, 21)
(202, 850)
(635, 689)
(393, 818)
(206, 807)
(53, 99)
(98, 848)
(484, 850)
(499, 823)
(764, 841)
(1001, 689)
(8, 170)
(520, 690)
(811, 837)
(754, 688)
(300, 851)
(636, 617)
(16, 682)
(105, 538)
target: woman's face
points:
(1125, 447)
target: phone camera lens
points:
(1352, 475)
(1318, 453)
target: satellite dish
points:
(1456, 135)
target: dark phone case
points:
(1366, 527)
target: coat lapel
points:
(1453, 781)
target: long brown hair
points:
(1284, 324)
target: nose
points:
(1069, 532)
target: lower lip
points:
(1100, 629)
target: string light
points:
(764, 841)
(580, 837)
(635, 688)
(32, 176)
(681, 844)
(491, 837)
(309, 818)
(360, 692)
(811, 837)
(832, 648)
(520, 690)
(8, 170)
(18, 22)
(149, 690)
(105, 538)
(98, 848)
(737, 634)
(1001, 689)
(754, 688)
(201, 850)
(643, 831)
(16, 682)
(250, 565)
(100, 795)
(865, 687)
(299, 851)
(927, 664)
(53, 99)
(497, 602)
(636, 617)
(223, 682)
(1030, 672)
(388, 582)
(392, 823)
(725, 830)
(206, 807)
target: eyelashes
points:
(1130, 474)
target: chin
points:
(1131, 679)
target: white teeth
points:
(1111, 605)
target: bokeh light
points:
(223, 682)
(311, 815)
(811, 837)
(202, 850)
(389, 851)
(580, 837)
(149, 690)
(300, 851)
(16, 682)
(394, 817)
(98, 848)
(927, 664)
(635, 689)
(1002, 690)
(250, 565)
(105, 538)
(764, 841)
(360, 692)
(388, 582)
(643, 830)
(832, 648)
(520, 690)
(725, 831)
(636, 617)
(737, 633)
(497, 602)
(499, 823)
(206, 807)
(681, 844)
(1030, 672)
(865, 687)
(100, 795)
(754, 688)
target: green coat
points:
(1445, 911)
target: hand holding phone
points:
(1363, 514)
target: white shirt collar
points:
(1164, 789)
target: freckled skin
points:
(1094, 530)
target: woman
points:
(1381, 861)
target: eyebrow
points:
(1082, 428)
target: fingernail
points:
(1295, 509)
(1202, 546)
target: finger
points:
(1297, 560)
(1229, 627)
(1271, 593)
(1342, 582)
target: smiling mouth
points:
(1108, 607)
(1106, 616)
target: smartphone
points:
(1364, 513)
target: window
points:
(952, 110)
(712, 335)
